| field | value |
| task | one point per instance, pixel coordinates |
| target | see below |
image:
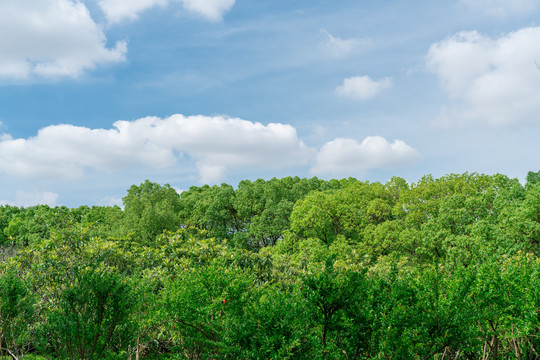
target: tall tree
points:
(149, 209)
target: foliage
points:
(92, 320)
(199, 303)
(444, 268)
(149, 209)
(16, 315)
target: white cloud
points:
(212, 145)
(363, 87)
(493, 81)
(502, 8)
(111, 201)
(348, 157)
(211, 9)
(215, 143)
(25, 199)
(51, 38)
(210, 174)
(119, 10)
(337, 47)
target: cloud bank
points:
(348, 157)
(51, 38)
(488, 80)
(214, 144)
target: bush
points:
(93, 317)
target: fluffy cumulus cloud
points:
(51, 38)
(214, 143)
(489, 80)
(23, 198)
(363, 87)
(348, 157)
(338, 47)
(119, 10)
(502, 8)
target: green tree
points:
(93, 317)
(16, 315)
(274, 324)
(199, 303)
(346, 211)
(150, 209)
(329, 294)
(533, 177)
(29, 225)
(7, 213)
(265, 207)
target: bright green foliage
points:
(316, 217)
(265, 206)
(149, 209)
(347, 211)
(273, 325)
(16, 315)
(506, 299)
(24, 227)
(443, 315)
(29, 226)
(533, 178)
(210, 208)
(253, 216)
(101, 221)
(455, 218)
(519, 223)
(6, 214)
(339, 308)
(198, 303)
(288, 268)
(187, 249)
(93, 317)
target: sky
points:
(99, 95)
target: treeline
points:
(291, 268)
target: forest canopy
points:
(291, 268)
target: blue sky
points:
(98, 95)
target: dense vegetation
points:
(289, 268)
